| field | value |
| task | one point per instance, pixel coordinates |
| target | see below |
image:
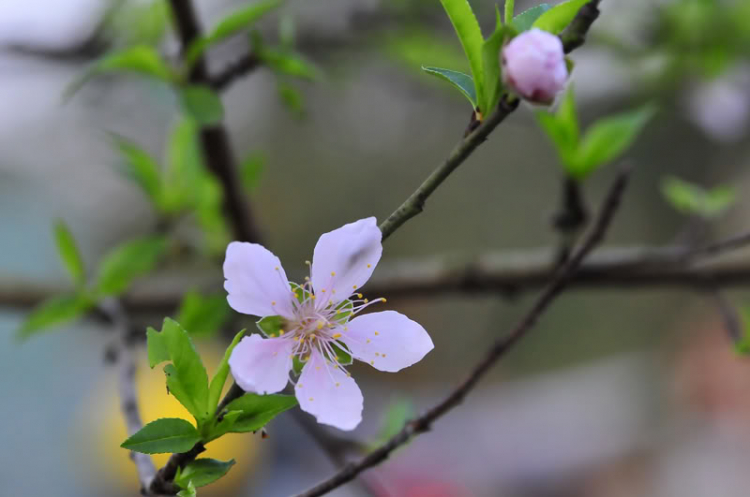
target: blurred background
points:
(615, 393)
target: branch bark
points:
(424, 422)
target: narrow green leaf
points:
(157, 347)
(202, 104)
(138, 59)
(562, 128)
(509, 8)
(54, 312)
(251, 170)
(220, 378)
(187, 379)
(69, 253)
(608, 138)
(255, 412)
(230, 25)
(459, 80)
(692, 199)
(556, 19)
(523, 21)
(289, 64)
(396, 416)
(470, 35)
(189, 491)
(128, 262)
(291, 98)
(491, 65)
(202, 472)
(141, 167)
(203, 315)
(165, 435)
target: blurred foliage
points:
(692, 199)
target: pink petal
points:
(256, 282)
(261, 365)
(387, 340)
(344, 259)
(329, 394)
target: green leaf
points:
(556, 19)
(491, 65)
(523, 21)
(470, 35)
(203, 104)
(158, 350)
(138, 59)
(608, 138)
(291, 98)
(693, 199)
(128, 262)
(165, 435)
(141, 167)
(230, 25)
(189, 491)
(203, 315)
(54, 312)
(271, 325)
(459, 80)
(562, 128)
(187, 379)
(742, 346)
(202, 472)
(396, 416)
(255, 411)
(220, 378)
(289, 64)
(251, 170)
(509, 8)
(69, 253)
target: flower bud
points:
(534, 66)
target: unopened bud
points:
(534, 66)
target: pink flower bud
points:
(534, 66)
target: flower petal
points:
(344, 259)
(329, 394)
(261, 365)
(387, 340)
(256, 282)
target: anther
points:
(311, 399)
(276, 268)
(369, 266)
(338, 384)
(337, 335)
(307, 262)
(359, 295)
(372, 363)
(383, 299)
(382, 355)
(354, 286)
(366, 301)
(273, 302)
(333, 273)
(368, 340)
(377, 333)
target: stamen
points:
(369, 266)
(376, 333)
(337, 335)
(333, 273)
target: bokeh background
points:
(616, 392)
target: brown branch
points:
(424, 422)
(215, 140)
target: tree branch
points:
(424, 422)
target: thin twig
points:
(122, 356)
(498, 350)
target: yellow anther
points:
(372, 363)
(317, 368)
(307, 262)
(377, 333)
(346, 328)
(383, 299)
(311, 399)
(368, 340)
(354, 287)
(323, 291)
(276, 268)
(348, 375)
(338, 384)
(281, 332)
(320, 325)
(291, 356)
(369, 266)
(333, 273)
(312, 297)
(337, 335)
(383, 355)
(307, 358)
(299, 385)
(307, 278)
(359, 295)
(273, 302)
(366, 301)
(377, 354)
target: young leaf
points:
(230, 25)
(470, 35)
(251, 170)
(217, 383)
(141, 167)
(54, 312)
(556, 19)
(255, 411)
(509, 8)
(695, 200)
(188, 491)
(69, 253)
(562, 127)
(203, 315)
(165, 435)
(461, 81)
(396, 416)
(187, 379)
(129, 261)
(202, 472)
(202, 104)
(291, 98)
(608, 138)
(289, 64)
(491, 65)
(523, 21)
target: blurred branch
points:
(215, 140)
(121, 356)
(572, 38)
(424, 422)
